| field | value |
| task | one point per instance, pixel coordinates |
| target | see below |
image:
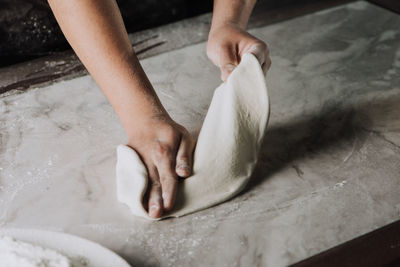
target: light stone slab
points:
(329, 168)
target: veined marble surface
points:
(329, 169)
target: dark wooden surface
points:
(378, 248)
(393, 5)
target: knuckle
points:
(155, 184)
(171, 135)
(162, 150)
(261, 44)
(261, 47)
(167, 178)
(223, 48)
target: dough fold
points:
(226, 150)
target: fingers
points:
(168, 158)
(227, 61)
(184, 157)
(165, 162)
(229, 58)
(155, 201)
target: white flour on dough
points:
(15, 253)
(226, 150)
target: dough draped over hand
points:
(226, 150)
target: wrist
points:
(221, 25)
(138, 112)
(140, 122)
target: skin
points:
(96, 32)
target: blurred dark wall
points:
(28, 28)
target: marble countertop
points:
(328, 172)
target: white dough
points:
(226, 150)
(15, 253)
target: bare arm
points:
(96, 32)
(228, 39)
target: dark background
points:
(28, 27)
(29, 30)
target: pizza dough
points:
(226, 150)
(15, 253)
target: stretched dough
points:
(226, 150)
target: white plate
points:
(82, 252)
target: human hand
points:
(226, 45)
(166, 148)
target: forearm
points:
(236, 12)
(96, 32)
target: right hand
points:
(166, 148)
(228, 43)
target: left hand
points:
(226, 45)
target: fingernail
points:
(183, 166)
(153, 210)
(183, 169)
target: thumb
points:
(227, 62)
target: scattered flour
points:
(340, 184)
(17, 253)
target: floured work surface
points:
(328, 171)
